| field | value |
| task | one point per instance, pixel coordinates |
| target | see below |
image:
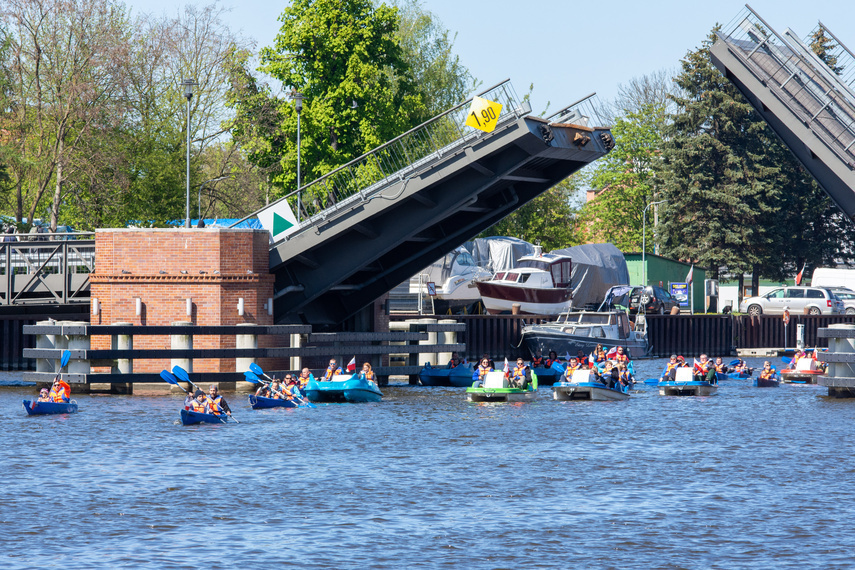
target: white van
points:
(829, 277)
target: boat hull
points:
(262, 403)
(35, 408)
(189, 418)
(500, 298)
(565, 391)
(354, 389)
(564, 343)
(499, 395)
(460, 377)
(547, 376)
(693, 388)
(800, 376)
(767, 383)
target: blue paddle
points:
(66, 356)
(733, 362)
(786, 359)
(185, 377)
(170, 379)
(256, 369)
(651, 381)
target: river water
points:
(746, 478)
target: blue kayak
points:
(189, 418)
(260, 402)
(346, 389)
(35, 408)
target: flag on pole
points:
(611, 353)
(800, 275)
(506, 369)
(351, 366)
(689, 276)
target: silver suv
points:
(817, 300)
(848, 298)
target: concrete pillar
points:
(446, 337)
(427, 357)
(296, 361)
(242, 363)
(845, 371)
(45, 341)
(181, 341)
(123, 365)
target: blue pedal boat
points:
(262, 403)
(460, 376)
(584, 386)
(343, 388)
(36, 408)
(548, 376)
(189, 418)
(685, 384)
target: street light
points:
(298, 105)
(188, 84)
(643, 239)
(202, 185)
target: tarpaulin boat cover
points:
(596, 268)
(498, 253)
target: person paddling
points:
(61, 391)
(217, 403)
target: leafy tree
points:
(627, 182)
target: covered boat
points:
(585, 386)
(805, 372)
(261, 403)
(584, 330)
(343, 388)
(189, 418)
(453, 279)
(540, 285)
(496, 389)
(459, 376)
(36, 408)
(685, 384)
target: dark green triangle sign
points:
(280, 224)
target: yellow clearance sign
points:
(483, 114)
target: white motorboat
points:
(584, 330)
(540, 285)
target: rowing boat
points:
(189, 418)
(36, 408)
(261, 403)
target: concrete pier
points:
(840, 377)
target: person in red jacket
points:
(61, 391)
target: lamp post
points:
(298, 105)
(643, 239)
(188, 84)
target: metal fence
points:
(812, 92)
(45, 268)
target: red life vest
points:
(550, 362)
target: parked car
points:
(847, 296)
(651, 299)
(817, 300)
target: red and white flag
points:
(611, 353)
(351, 366)
(689, 275)
(507, 368)
(800, 275)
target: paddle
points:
(786, 359)
(170, 379)
(651, 381)
(252, 377)
(256, 369)
(185, 377)
(733, 362)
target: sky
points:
(568, 49)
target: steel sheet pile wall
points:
(690, 334)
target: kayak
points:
(260, 402)
(189, 418)
(35, 408)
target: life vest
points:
(328, 375)
(304, 380)
(583, 360)
(550, 362)
(369, 376)
(600, 357)
(483, 372)
(571, 369)
(216, 408)
(60, 395)
(195, 406)
(621, 358)
(519, 373)
(451, 364)
(276, 394)
(767, 374)
(671, 366)
(537, 362)
(719, 368)
(625, 376)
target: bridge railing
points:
(46, 268)
(817, 97)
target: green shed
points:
(663, 272)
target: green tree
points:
(824, 46)
(626, 181)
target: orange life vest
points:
(60, 395)
(483, 371)
(550, 362)
(369, 375)
(197, 407)
(537, 362)
(328, 375)
(671, 366)
(519, 373)
(766, 374)
(571, 369)
(216, 409)
(621, 358)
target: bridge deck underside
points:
(818, 132)
(331, 271)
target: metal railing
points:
(839, 52)
(46, 268)
(816, 96)
(582, 112)
(398, 159)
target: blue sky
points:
(569, 49)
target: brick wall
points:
(163, 267)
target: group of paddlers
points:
(210, 403)
(704, 369)
(293, 385)
(60, 392)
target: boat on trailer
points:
(496, 389)
(36, 408)
(585, 386)
(805, 372)
(685, 384)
